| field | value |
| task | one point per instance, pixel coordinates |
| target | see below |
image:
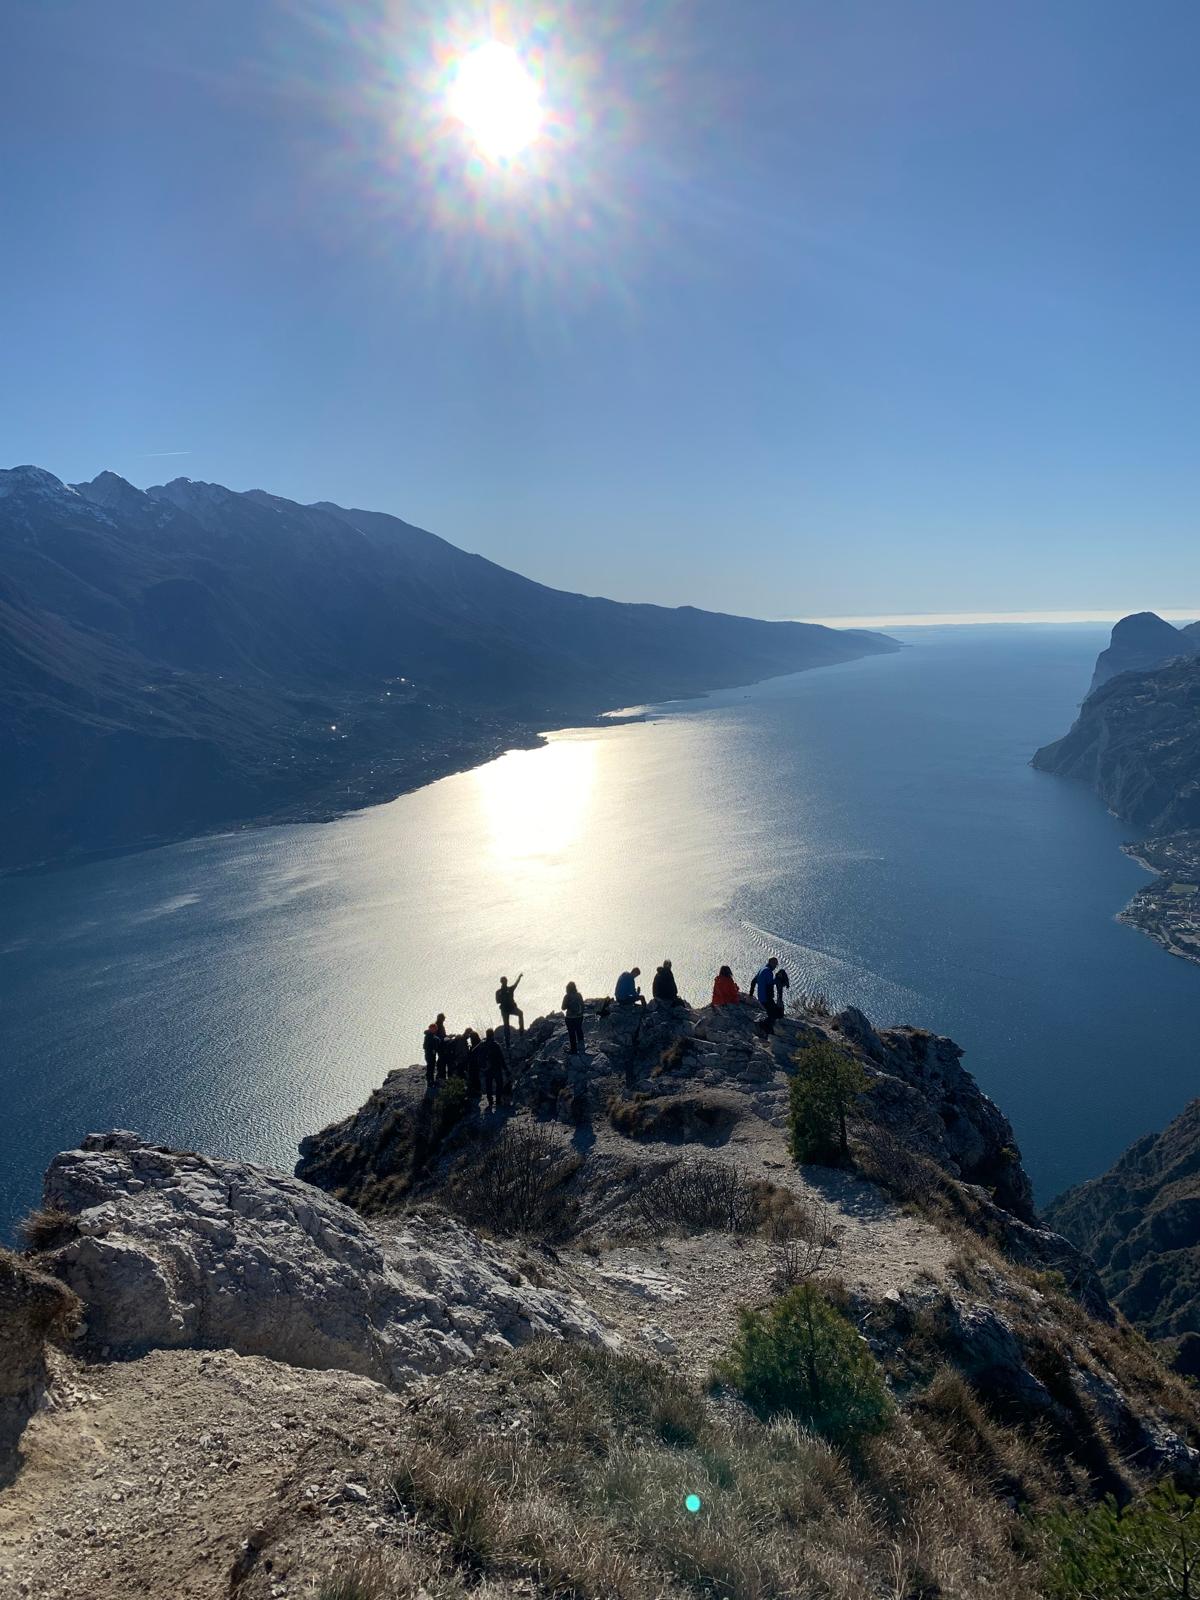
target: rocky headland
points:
(1136, 741)
(489, 1353)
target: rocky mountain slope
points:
(191, 658)
(1136, 741)
(486, 1353)
(1140, 1223)
(1142, 642)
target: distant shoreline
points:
(1168, 910)
(369, 789)
(979, 619)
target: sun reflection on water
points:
(535, 803)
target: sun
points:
(497, 100)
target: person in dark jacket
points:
(506, 999)
(664, 986)
(432, 1042)
(572, 1004)
(495, 1068)
(627, 992)
(763, 987)
(461, 1048)
(475, 1068)
(782, 984)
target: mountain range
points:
(190, 657)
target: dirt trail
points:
(169, 1477)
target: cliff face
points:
(1137, 742)
(508, 1322)
(1142, 642)
(1140, 1223)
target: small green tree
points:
(1147, 1550)
(802, 1356)
(824, 1087)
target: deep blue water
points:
(878, 824)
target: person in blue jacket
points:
(627, 992)
(763, 988)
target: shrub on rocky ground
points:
(802, 1356)
(514, 1184)
(824, 1088)
(1146, 1550)
(696, 1193)
(908, 1176)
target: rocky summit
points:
(519, 1351)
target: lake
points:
(877, 824)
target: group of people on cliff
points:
(482, 1063)
(768, 986)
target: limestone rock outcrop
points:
(174, 1249)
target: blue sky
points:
(805, 310)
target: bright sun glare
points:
(498, 101)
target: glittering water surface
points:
(877, 824)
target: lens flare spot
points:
(497, 100)
(693, 1504)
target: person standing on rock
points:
(572, 1004)
(664, 987)
(627, 992)
(491, 1059)
(476, 1062)
(461, 1048)
(433, 1044)
(782, 984)
(725, 989)
(764, 992)
(506, 999)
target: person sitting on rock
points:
(664, 987)
(725, 989)
(432, 1043)
(763, 986)
(572, 1004)
(627, 992)
(506, 999)
(491, 1060)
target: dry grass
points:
(46, 1228)
(586, 1496)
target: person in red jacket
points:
(725, 989)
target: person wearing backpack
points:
(433, 1042)
(506, 999)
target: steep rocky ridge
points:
(1140, 1222)
(439, 1352)
(1142, 642)
(1136, 741)
(191, 658)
